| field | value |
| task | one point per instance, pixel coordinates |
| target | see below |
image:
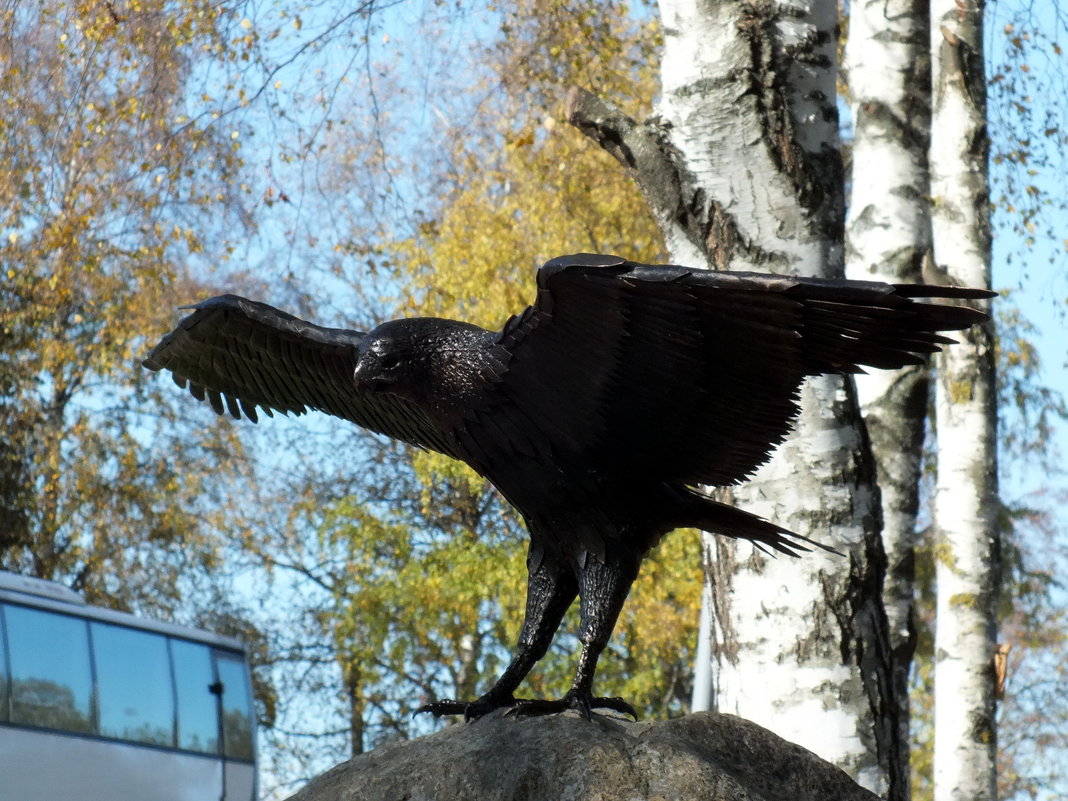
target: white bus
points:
(98, 705)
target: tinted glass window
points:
(133, 675)
(237, 707)
(3, 669)
(51, 681)
(198, 711)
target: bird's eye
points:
(390, 361)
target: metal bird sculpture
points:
(596, 412)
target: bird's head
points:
(424, 359)
(391, 357)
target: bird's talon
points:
(616, 704)
(471, 710)
(512, 712)
(584, 704)
(443, 707)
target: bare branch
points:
(650, 159)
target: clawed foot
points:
(528, 707)
(471, 710)
(584, 703)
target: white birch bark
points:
(742, 171)
(748, 92)
(888, 237)
(780, 626)
(797, 644)
(966, 509)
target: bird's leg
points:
(603, 589)
(550, 590)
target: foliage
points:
(1029, 129)
(1033, 719)
(419, 562)
(110, 176)
(529, 184)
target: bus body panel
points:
(29, 760)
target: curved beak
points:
(364, 374)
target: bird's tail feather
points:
(700, 511)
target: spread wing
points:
(693, 374)
(240, 355)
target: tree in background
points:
(890, 212)
(888, 238)
(742, 172)
(109, 182)
(894, 233)
(967, 516)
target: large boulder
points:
(705, 756)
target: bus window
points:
(3, 669)
(51, 680)
(198, 711)
(237, 706)
(133, 675)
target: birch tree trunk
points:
(888, 238)
(741, 169)
(967, 544)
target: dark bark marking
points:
(817, 178)
(669, 188)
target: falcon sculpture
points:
(597, 411)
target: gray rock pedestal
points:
(704, 756)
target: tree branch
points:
(650, 159)
(604, 123)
